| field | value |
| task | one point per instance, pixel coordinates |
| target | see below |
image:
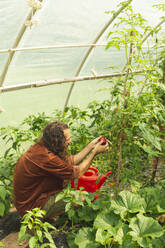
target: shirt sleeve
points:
(64, 169)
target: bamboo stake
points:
(49, 47)
(60, 81)
(18, 49)
(119, 167)
(91, 48)
(164, 71)
(150, 33)
(155, 162)
(125, 95)
(18, 39)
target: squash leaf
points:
(128, 202)
(86, 238)
(109, 226)
(105, 220)
(144, 228)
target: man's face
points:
(67, 136)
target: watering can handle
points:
(72, 184)
(93, 168)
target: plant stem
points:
(164, 71)
(129, 61)
(154, 169)
(119, 163)
(125, 95)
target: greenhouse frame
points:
(82, 124)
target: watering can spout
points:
(103, 179)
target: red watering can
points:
(88, 181)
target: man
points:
(45, 169)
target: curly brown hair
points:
(54, 139)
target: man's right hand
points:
(99, 148)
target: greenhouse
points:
(84, 81)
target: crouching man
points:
(45, 169)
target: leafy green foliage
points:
(127, 202)
(41, 231)
(143, 228)
(154, 198)
(121, 222)
(86, 238)
(6, 176)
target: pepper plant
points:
(40, 230)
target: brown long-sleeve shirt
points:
(39, 174)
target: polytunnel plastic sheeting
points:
(61, 23)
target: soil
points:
(9, 229)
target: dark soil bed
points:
(8, 224)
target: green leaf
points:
(2, 193)
(59, 196)
(1, 183)
(144, 227)
(68, 206)
(86, 238)
(30, 226)
(103, 236)
(161, 206)
(7, 151)
(33, 242)
(39, 212)
(135, 186)
(109, 225)
(148, 136)
(70, 240)
(154, 198)
(71, 213)
(86, 214)
(49, 237)
(128, 244)
(21, 233)
(39, 234)
(7, 182)
(127, 202)
(99, 203)
(48, 225)
(151, 196)
(46, 245)
(121, 233)
(106, 220)
(2, 209)
(158, 242)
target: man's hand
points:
(101, 148)
(90, 147)
(97, 147)
(94, 142)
